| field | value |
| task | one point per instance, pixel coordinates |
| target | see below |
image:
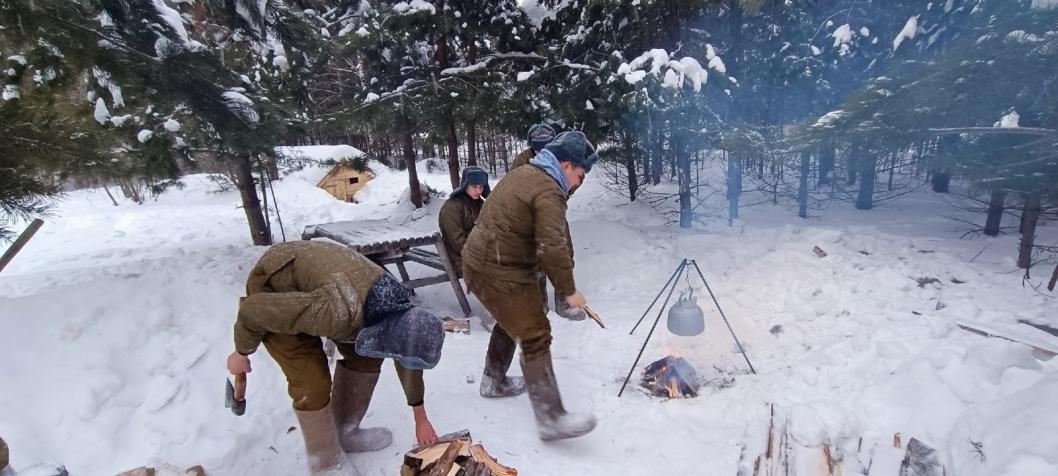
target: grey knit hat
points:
(574, 147)
(540, 135)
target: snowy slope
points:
(116, 322)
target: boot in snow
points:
(324, 455)
(552, 419)
(495, 383)
(350, 397)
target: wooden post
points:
(20, 242)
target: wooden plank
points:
(1020, 333)
(433, 261)
(420, 282)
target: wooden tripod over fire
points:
(671, 286)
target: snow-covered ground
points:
(116, 321)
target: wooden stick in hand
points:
(595, 317)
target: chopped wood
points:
(1054, 279)
(453, 455)
(480, 456)
(444, 464)
(452, 324)
(819, 252)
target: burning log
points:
(671, 377)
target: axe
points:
(235, 396)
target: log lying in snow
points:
(453, 455)
(770, 450)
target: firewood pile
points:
(772, 451)
(454, 454)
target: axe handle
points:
(240, 387)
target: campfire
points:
(671, 377)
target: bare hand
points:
(424, 432)
(239, 364)
(576, 300)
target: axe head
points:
(238, 407)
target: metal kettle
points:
(686, 318)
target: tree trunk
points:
(656, 148)
(865, 200)
(251, 205)
(995, 212)
(734, 186)
(892, 168)
(684, 162)
(802, 191)
(453, 155)
(826, 165)
(853, 161)
(941, 180)
(472, 144)
(107, 190)
(630, 166)
(1030, 216)
(413, 173)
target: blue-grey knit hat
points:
(574, 147)
(540, 135)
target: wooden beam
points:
(1034, 131)
(20, 242)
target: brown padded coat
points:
(308, 287)
(522, 229)
(523, 158)
(456, 219)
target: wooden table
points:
(389, 243)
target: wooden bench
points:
(388, 243)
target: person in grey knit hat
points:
(539, 136)
(523, 230)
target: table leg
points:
(453, 278)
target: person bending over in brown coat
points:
(522, 229)
(302, 291)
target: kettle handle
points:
(687, 295)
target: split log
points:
(443, 466)
(819, 252)
(452, 324)
(484, 464)
(453, 455)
